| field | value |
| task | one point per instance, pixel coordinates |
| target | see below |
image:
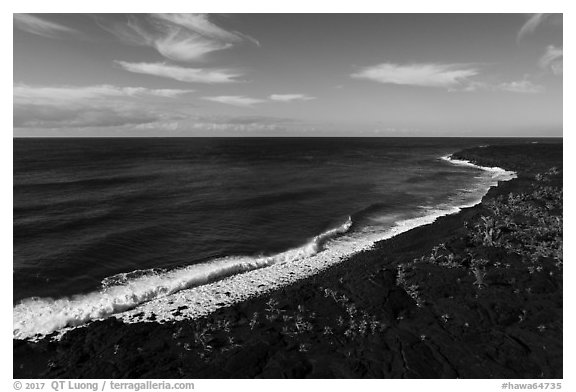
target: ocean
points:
(104, 225)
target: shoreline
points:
(259, 282)
(221, 283)
(363, 279)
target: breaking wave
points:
(126, 290)
(496, 172)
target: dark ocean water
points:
(94, 213)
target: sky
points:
(287, 75)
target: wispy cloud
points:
(35, 116)
(182, 74)
(178, 37)
(521, 86)
(90, 106)
(179, 46)
(531, 24)
(201, 24)
(553, 60)
(39, 26)
(423, 75)
(60, 93)
(290, 97)
(537, 20)
(452, 77)
(239, 100)
(524, 86)
(235, 100)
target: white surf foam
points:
(201, 288)
(497, 172)
(126, 290)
